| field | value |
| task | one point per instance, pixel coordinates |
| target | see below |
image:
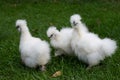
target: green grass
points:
(101, 17)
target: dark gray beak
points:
(17, 27)
(74, 23)
(51, 36)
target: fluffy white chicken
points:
(87, 46)
(34, 51)
(60, 40)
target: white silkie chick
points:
(60, 40)
(34, 51)
(87, 46)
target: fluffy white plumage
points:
(88, 46)
(34, 51)
(60, 40)
(76, 20)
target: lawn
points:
(102, 17)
